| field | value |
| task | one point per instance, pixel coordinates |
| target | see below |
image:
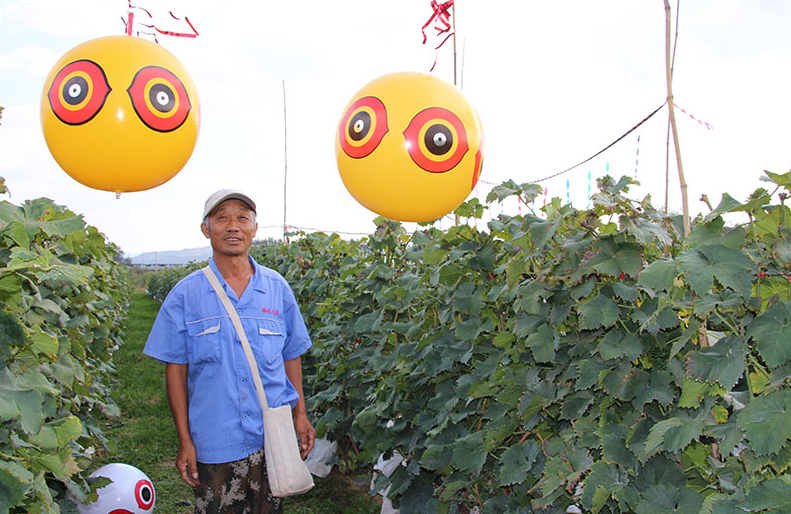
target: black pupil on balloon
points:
(438, 139)
(359, 125)
(75, 90)
(146, 494)
(162, 97)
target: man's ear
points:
(205, 229)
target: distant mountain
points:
(172, 257)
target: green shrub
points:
(64, 301)
(591, 358)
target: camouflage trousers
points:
(239, 487)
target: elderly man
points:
(209, 384)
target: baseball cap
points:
(225, 194)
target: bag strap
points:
(237, 324)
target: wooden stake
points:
(674, 128)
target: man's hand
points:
(186, 463)
(307, 435)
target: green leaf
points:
(723, 363)
(693, 392)
(646, 231)
(659, 275)
(419, 497)
(469, 454)
(771, 332)
(666, 499)
(566, 468)
(773, 495)
(437, 456)
(43, 343)
(543, 343)
(57, 434)
(600, 482)
(516, 461)
(731, 268)
(575, 405)
(541, 232)
(672, 435)
(600, 311)
(15, 482)
(619, 343)
(659, 389)
(727, 204)
(17, 233)
(765, 421)
(27, 405)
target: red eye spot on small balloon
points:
(363, 127)
(159, 99)
(436, 140)
(144, 494)
(78, 92)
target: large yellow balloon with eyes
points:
(409, 147)
(120, 114)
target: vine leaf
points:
(772, 331)
(772, 495)
(15, 481)
(659, 275)
(731, 268)
(469, 454)
(600, 311)
(516, 462)
(665, 499)
(722, 363)
(765, 422)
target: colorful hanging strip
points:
(589, 189)
(129, 24)
(441, 19)
(701, 122)
(568, 192)
(637, 157)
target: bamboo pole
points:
(674, 128)
(457, 220)
(285, 162)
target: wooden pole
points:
(285, 162)
(673, 127)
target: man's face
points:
(231, 228)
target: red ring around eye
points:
(363, 127)
(144, 494)
(476, 172)
(159, 99)
(436, 140)
(78, 92)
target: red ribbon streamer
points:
(441, 15)
(193, 34)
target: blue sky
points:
(554, 82)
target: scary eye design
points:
(436, 140)
(159, 99)
(144, 494)
(363, 127)
(78, 92)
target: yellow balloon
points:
(120, 113)
(409, 147)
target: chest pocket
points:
(269, 341)
(204, 341)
